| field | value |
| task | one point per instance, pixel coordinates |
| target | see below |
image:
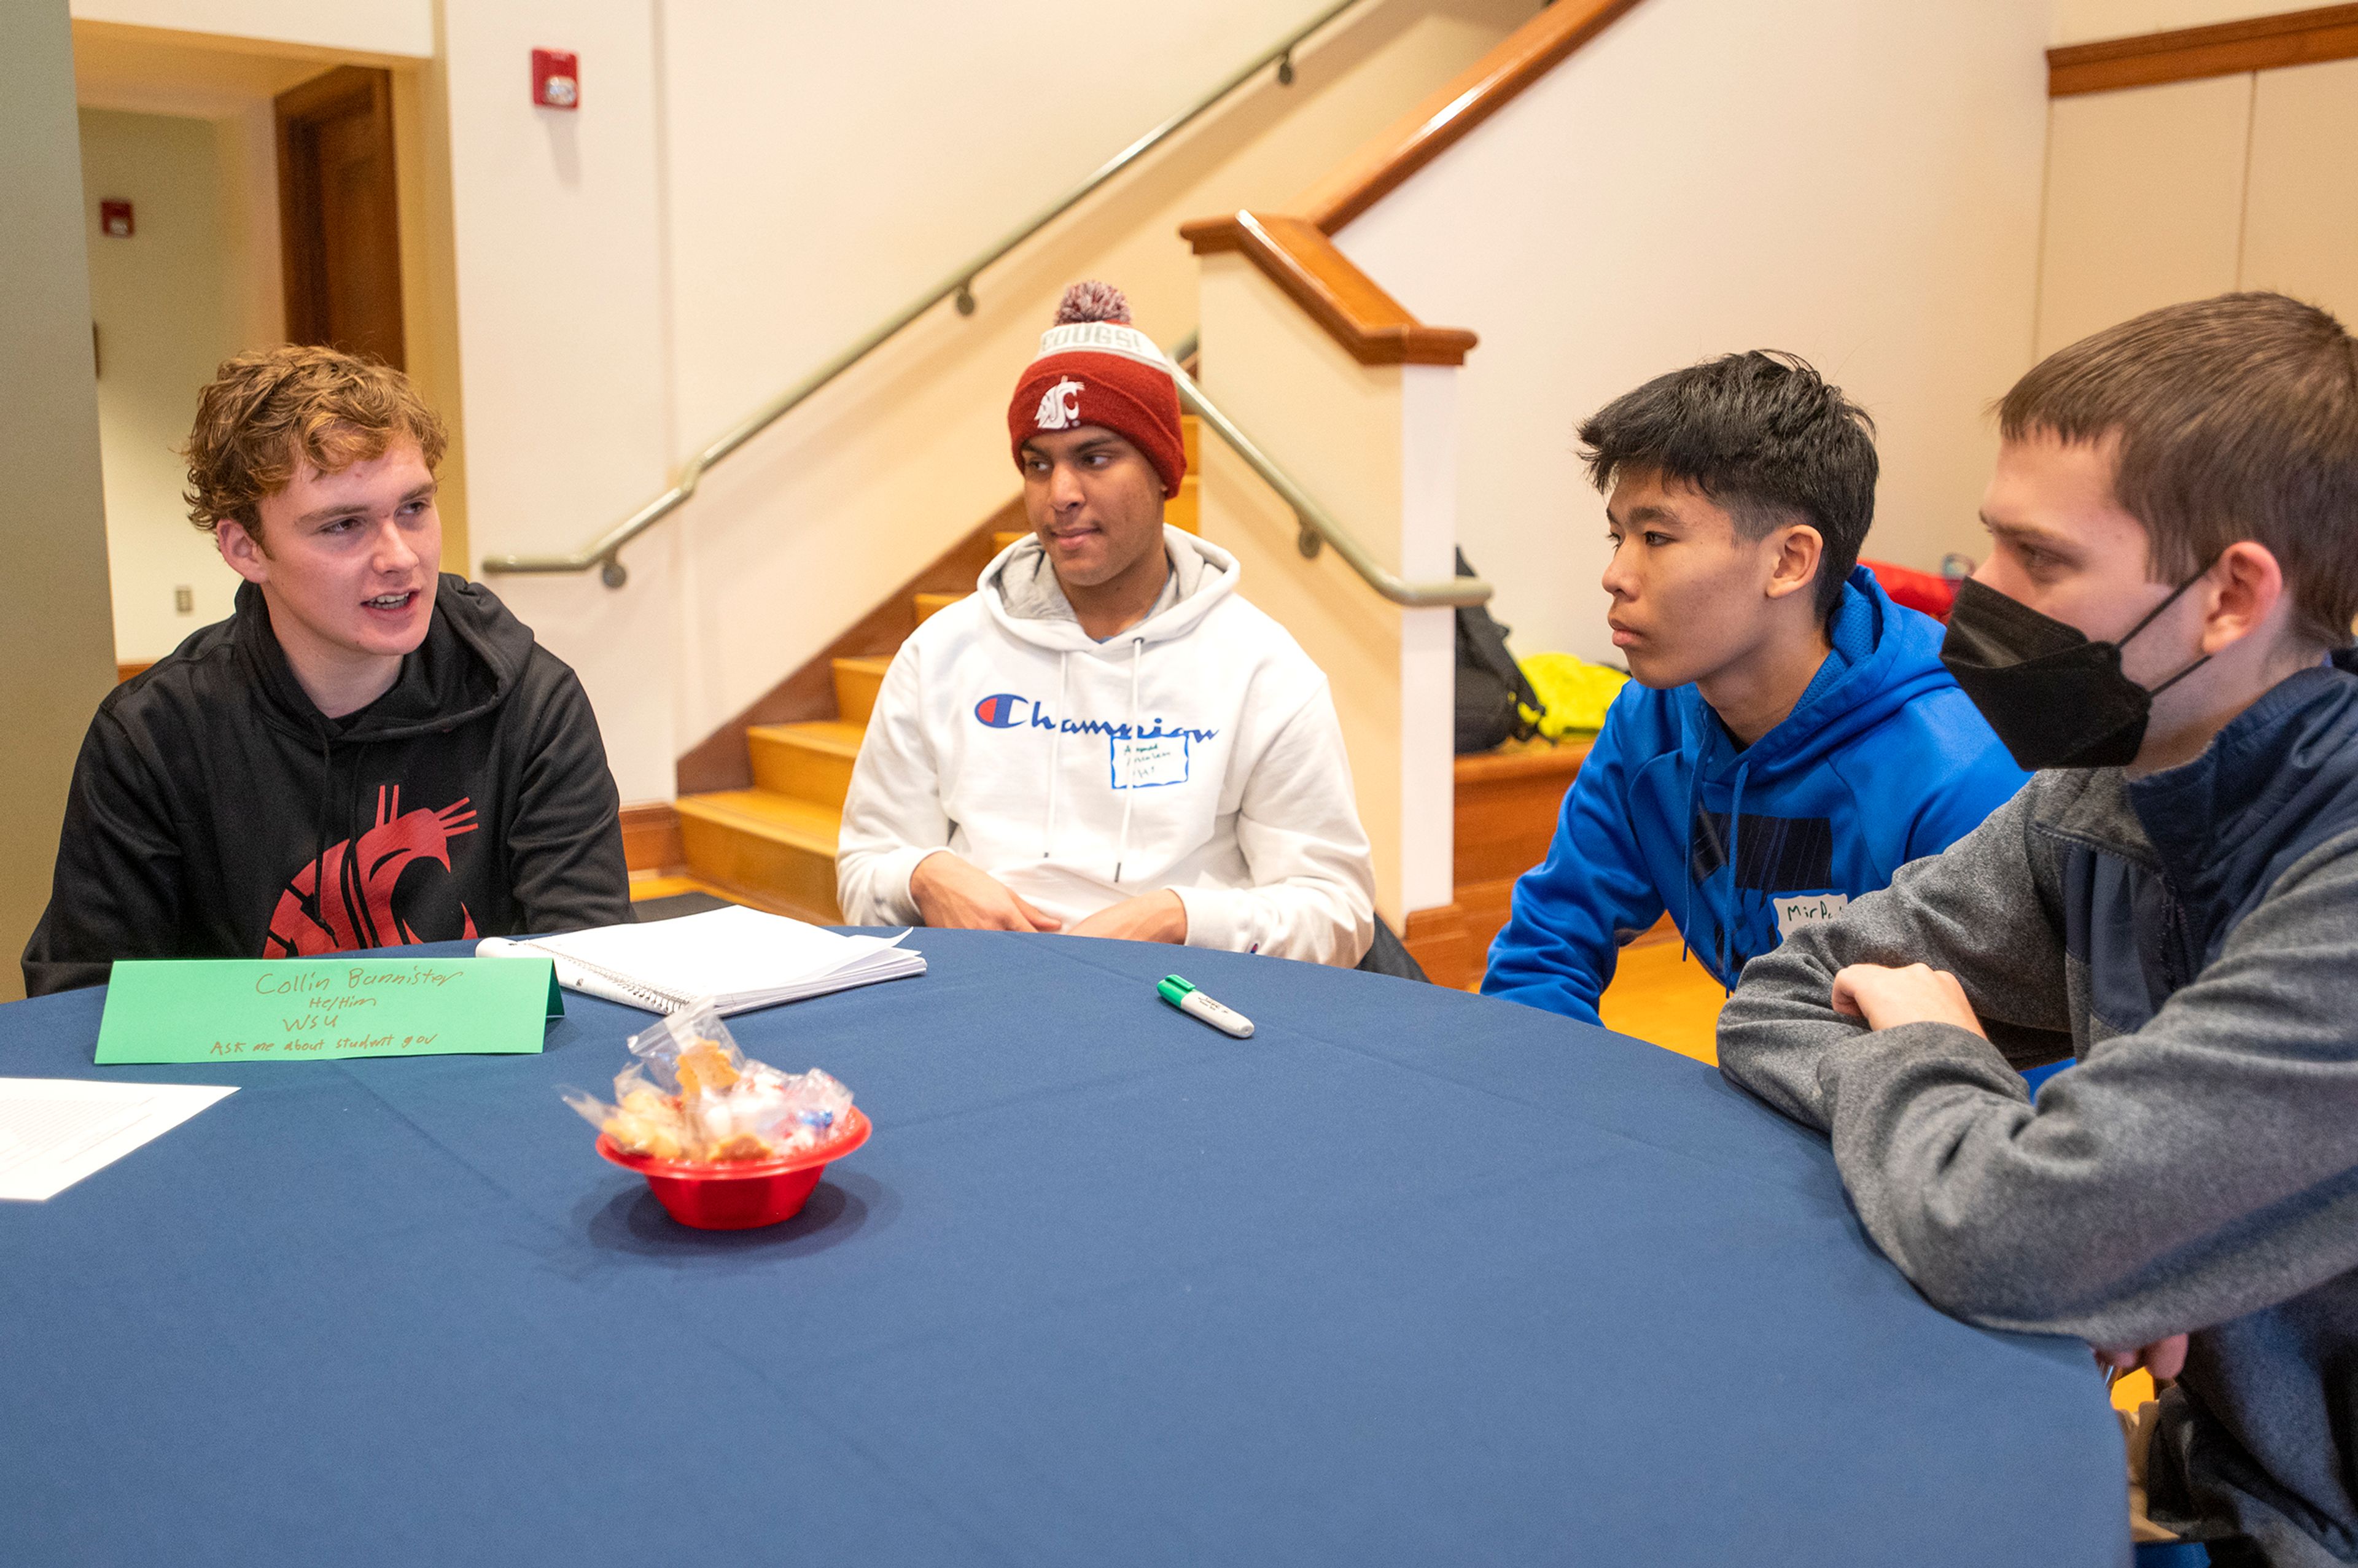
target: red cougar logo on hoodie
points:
(363, 876)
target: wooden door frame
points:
(337, 92)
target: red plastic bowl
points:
(738, 1194)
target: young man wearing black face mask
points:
(2164, 625)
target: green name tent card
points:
(309, 1009)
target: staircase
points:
(773, 845)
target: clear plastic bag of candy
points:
(690, 1094)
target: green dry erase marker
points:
(1181, 994)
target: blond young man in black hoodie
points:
(366, 754)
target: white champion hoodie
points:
(1198, 750)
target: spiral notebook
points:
(740, 957)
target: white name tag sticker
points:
(1144, 764)
(1811, 909)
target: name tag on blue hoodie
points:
(1811, 909)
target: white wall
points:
(746, 191)
(384, 28)
(556, 218)
(166, 314)
(1856, 181)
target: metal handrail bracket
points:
(604, 551)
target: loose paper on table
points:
(55, 1131)
(309, 1009)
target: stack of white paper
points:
(740, 957)
(55, 1131)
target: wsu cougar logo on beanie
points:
(1095, 368)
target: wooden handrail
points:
(1373, 327)
(1297, 251)
(1425, 132)
(2225, 48)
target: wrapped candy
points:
(690, 1094)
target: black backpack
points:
(1491, 688)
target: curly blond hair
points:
(269, 413)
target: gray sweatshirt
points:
(2193, 937)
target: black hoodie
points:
(212, 799)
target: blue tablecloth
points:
(1409, 1277)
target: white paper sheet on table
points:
(55, 1131)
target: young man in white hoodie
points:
(1105, 740)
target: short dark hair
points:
(1762, 435)
(2237, 420)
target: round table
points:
(1410, 1276)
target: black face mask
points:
(2057, 699)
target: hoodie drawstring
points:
(1055, 748)
(1130, 761)
(1686, 899)
(320, 833)
(1735, 870)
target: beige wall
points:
(56, 643)
(2300, 210)
(1853, 181)
(164, 303)
(2144, 201)
(2159, 194)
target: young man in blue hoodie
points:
(1790, 738)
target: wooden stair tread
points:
(868, 665)
(930, 604)
(766, 814)
(832, 736)
(1007, 536)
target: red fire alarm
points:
(114, 219)
(555, 79)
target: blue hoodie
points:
(1882, 761)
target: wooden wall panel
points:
(2300, 225)
(2145, 197)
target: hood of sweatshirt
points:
(472, 657)
(1741, 841)
(1880, 659)
(1021, 593)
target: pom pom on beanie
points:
(1093, 301)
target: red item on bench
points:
(1927, 591)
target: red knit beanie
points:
(1095, 368)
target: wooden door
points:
(338, 225)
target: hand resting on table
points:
(956, 894)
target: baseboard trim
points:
(651, 841)
(1443, 941)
